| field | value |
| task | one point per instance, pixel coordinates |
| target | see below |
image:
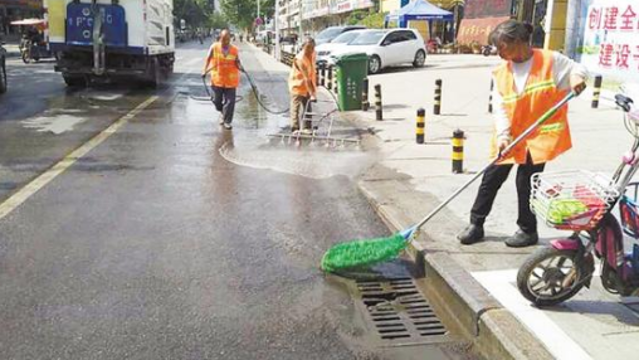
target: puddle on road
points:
(58, 119)
(253, 145)
(54, 123)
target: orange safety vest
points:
(552, 138)
(225, 72)
(296, 83)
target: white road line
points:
(38, 183)
(501, 284)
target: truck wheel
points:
(74, 81)
(3, 79)
(155, 74)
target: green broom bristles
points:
(363, 252)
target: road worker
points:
(302, 84)
(528, 83)
(224, 64)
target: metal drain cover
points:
(399, 312)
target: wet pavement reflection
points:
(176, 239)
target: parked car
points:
(325, 50)
(389, 47)
(327, 35)
(3, 69)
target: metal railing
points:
(287, 58)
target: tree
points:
(242, 13)
(368, 18)
(196, 13)
(218, 21)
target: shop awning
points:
(419, 10)
(29, 22)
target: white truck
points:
(98, 40)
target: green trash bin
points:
(351, 72)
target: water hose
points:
(257, 94)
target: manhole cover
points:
(399, 313)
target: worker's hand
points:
(502, 144)
(313, 98)
(577, 83)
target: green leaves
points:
(196, 13)
(242, 13)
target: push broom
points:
(366, 252)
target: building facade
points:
(311, 16)
(11, 10)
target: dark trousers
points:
(224, 100)
(492, 180)
(298, 104)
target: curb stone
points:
(460, 300)
(455, 295)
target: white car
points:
(325, 50)
(388, 47)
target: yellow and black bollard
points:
(378, 102)
(458, 152)
(596, 91)
(329, 84)
(323, 74)
(420, 125)
(438, 97)
(490, 97)
(365, 104)
(335, 81)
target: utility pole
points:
(277, 29)
(300, 15)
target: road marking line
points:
(500, 285)
(43, 179)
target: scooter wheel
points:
(551, 276)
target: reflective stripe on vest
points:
(225, 72)
(540, 94)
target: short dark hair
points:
(309, 41)
(510, 32)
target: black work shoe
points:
(522, 239)
(471, 234)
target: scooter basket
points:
(571, 200)
(629, 210)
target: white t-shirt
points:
(563, 68)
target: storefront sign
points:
(610, 42)
(342, 6)
(477, 30)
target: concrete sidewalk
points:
(476, 283)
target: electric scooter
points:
(582, 202)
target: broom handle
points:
(501, 155)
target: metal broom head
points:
(363, 252)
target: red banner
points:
(478, 29)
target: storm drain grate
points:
(399, 312)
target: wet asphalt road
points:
(174, 239)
